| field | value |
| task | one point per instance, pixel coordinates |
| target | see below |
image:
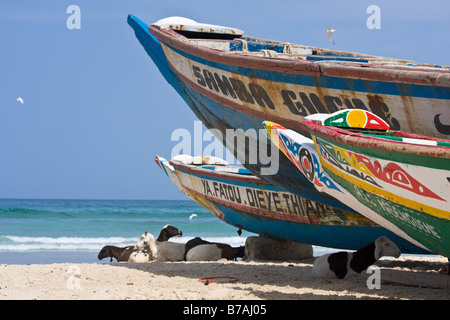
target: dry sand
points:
(180, 280)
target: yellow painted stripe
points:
(269, 125)
(386, 194)
(355, 217)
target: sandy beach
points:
(256, 280)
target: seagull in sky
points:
(330, 31)
(192, 216)
(20, 100)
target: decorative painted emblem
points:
(300, 151)
(350, 118)
(370, 171)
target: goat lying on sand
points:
(339, 264)
(121, 254)
(161, 249)
(139, 252)
(198, 249)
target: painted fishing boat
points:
(234, 82)
(240, 199)
(399, 180)
(287, 176)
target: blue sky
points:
(96, 110)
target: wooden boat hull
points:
(403, 187)
(234, 90)
(217, 116)
(409, 98)
(255, 205)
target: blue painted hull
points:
(249, 203)
(341, 237)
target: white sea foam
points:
(24, 244)
(16, 243)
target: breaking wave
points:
(10, 243)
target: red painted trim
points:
(371, 71)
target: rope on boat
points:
(244, 44)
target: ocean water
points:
(54, 231)
(74, 231)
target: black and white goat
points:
(198, 249)
(339, 264)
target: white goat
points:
(162, 249)
(146, 249)
(140, 256)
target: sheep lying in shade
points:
(214, 252)
(168, 232)
(198, 249)
(339, 264)
(145, 248)
(167, 250)
(162, 249)
(141, 252)
(141, 256)
(119, 253)
(193, 243)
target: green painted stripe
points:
(437, 143)
(430, 231)
(401, 157)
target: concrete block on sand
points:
(264, 248)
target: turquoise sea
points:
(56, 231)
(74, 231)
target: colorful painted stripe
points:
(443, 214)
(429, 230)
(437, 157)
(410, 140)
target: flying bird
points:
(330, 31)
(192, 216)
(20, 100)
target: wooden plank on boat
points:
(414, 279)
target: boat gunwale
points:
(190, 169)
(366, 71)
(343, 136)
(216, 174)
